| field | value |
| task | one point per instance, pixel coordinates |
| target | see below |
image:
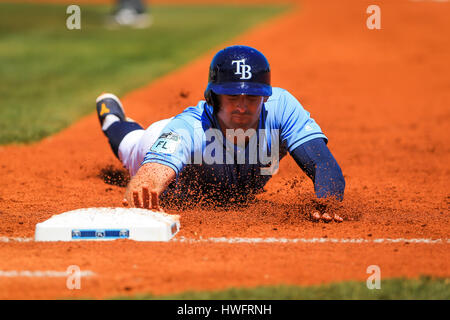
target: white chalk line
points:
(429, 0)
(279, 240)
(42, 274)
(15, 239)
(309, 240)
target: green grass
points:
(424, 288)
(50, 76)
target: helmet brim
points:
(237, 88)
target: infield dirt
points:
(381, 97)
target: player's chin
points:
(241, 122)
(242, 126)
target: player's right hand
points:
(142, 197)
(146, 186)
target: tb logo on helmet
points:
(242, 69)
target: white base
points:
(94, 224)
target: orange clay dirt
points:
(382, 98)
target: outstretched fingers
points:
(149, 199)
(316, 216)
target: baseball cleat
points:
(108, 103)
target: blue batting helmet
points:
(238, 70)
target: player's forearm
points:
(316, 160)
(329, 180)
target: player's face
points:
(240, 111)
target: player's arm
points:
(147, 184)
(316, 160)
(305, 141)
(161, 165)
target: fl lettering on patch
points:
(166, 143)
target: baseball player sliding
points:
(225, 148)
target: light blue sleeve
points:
(174, 146)
(296, 125)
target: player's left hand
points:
(325, 217)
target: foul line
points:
(278, 240)
(15, 239)
(308, 240)
(42, 274)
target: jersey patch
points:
(166, 143)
